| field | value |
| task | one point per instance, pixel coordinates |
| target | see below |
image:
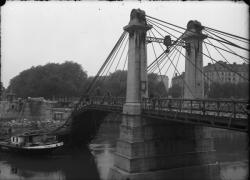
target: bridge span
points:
(224, 114)
(161, 138)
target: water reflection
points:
(75, 164)
(92, 162)
(103, 154)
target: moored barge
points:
(31, 144)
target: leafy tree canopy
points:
(52, 79)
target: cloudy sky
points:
(35, 33)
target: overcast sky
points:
(35, 33)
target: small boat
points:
(31, 144)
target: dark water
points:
(92, 162)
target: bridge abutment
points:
(154, 149)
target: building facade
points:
(219, 72)
(165, 81)
(222, 72)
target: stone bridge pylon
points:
(156, 149)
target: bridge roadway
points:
(224, 114)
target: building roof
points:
(225, 67)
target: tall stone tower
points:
(137, 83)
(0, 60)
(194, 80)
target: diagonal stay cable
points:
(212, 62)
(168, 56)
(224, 66)
(184, 82)
(192, 63)
(156, 25)
(225, 41)
(175, 43)
(153, 63)
(208, 28)
(220, 54)
(121, 54)
(156, 57)
(176, 52)
(165, 22)
(111, 62)
(175, 68)
(104, 64)
(108, 65)
(120, 78)
(161, 48)
(230, 51)
(204, 27)
(177, 62)
(114, 58)
(232, 37)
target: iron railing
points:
(227, 114)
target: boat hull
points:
(31, 150)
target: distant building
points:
(165, 80)
(222, 72)
(178, 80)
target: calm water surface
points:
(92, 162)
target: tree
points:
(66, 79)
(228, 90)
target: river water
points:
(92, 162)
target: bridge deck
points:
(213, 113)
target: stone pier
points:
(150, 148)
(194, 80)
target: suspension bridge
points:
(164, 137)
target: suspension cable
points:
(104, 64)
(226, 41)
(152, 64)
(204, 27)
(165, 22)
(195, 66)
(177, 62)
(213, 63)
(226, 67)
(184, 82)
(232, 37)
(121, 54)
(167, 59)
(125, 62)
(155, 56)
(177, 41)
(208, 28)
(232, 52)
(228, 49)
(155, 24)
(174, 66)
(114, 57)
